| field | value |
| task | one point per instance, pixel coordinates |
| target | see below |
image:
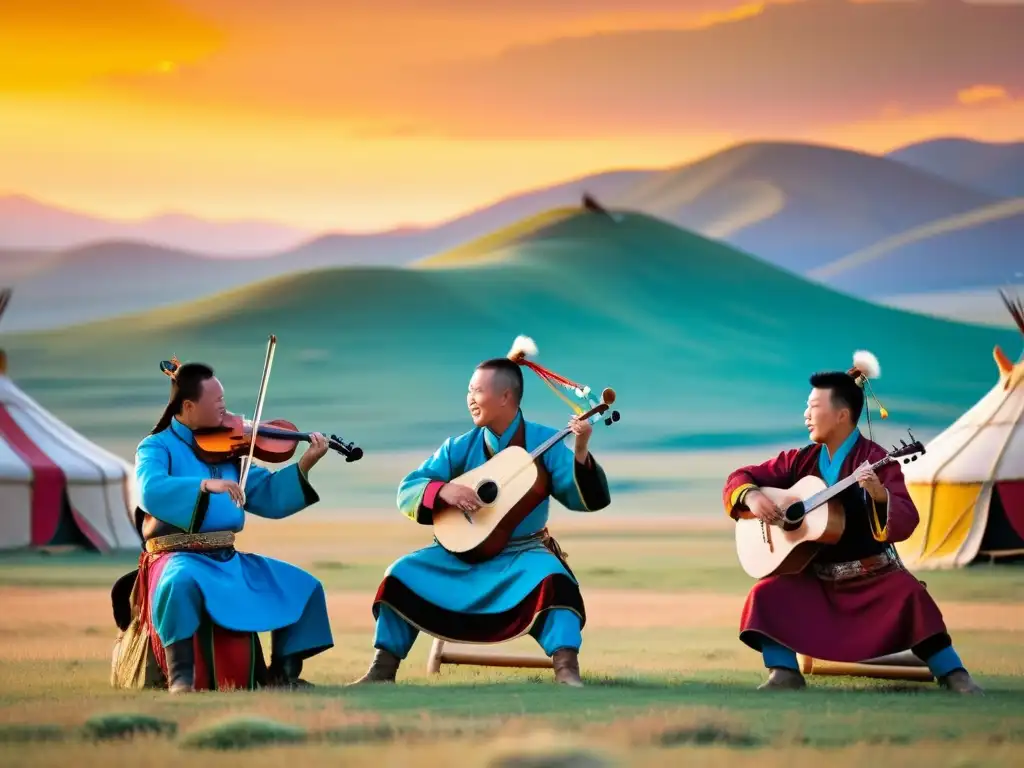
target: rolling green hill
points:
(706, 346)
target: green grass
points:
(682, 560)
(705, 346)
(661, 687)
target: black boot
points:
(384, 669)
(284, 672)
(181, 666)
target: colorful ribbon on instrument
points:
(523, 346)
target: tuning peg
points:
(608, 421)
(914, 457)
(615, 416)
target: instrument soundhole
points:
(487, 491)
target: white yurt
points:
(57, 488)
(969, 485)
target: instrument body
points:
(510, 484)
(276, 441)
(814, 517)
(506, 505)
(788, 551)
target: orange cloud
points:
(49, 45)
(979, 94)
(460, 69)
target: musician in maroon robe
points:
(856, 600)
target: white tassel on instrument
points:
(867, 364)
(522, 347)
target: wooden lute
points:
(510, 486)
(789, 545)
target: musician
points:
(191, 573)
(856, 601)
(528, 587)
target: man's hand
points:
(316, 451)
(230, 487)
(868, 480)
(460, 496)
(582, 431)
(762, 507)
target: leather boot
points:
(384, 669)
(567, 667)
(181, 666)
(960, 681)
(783, 679)
(284, 672)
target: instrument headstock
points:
(607, 398)
(908, 452)
(350, 451)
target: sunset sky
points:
(365, 114)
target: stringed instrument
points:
(510, 486)
(813, 517)
(275, 441)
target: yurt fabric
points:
(57, 487)
(969, 485)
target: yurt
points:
(57, 488)
(969, 485)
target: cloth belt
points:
(855, 569)
(190, 542)
(544, 537)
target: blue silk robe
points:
(525, 588)
(239, 591)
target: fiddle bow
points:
(273, 442)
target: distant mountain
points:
(800, 206)
(972, 250)
(996, 169)
(110, 278)
(866, 225)
(704, 345)
(981, 306)
(26, 223)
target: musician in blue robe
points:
(191, 574)
(526, 588)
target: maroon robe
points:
(853, 620)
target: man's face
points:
(822, 417)
(208, 410)
(486, 401)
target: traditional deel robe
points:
(525, 588)
(854, 620)
(237, 591)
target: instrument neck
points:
(550, 443)
(822, 497)
(283, 433)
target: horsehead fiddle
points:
(276, 439)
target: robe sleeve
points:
(279, 494)
(176, 501)
(897, 517)
(775, 473)
(417, 493)
(579, 487)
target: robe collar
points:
(496, 443)
(830, 467)
(181, 430)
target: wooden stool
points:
(439, 655)
(895, 666)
